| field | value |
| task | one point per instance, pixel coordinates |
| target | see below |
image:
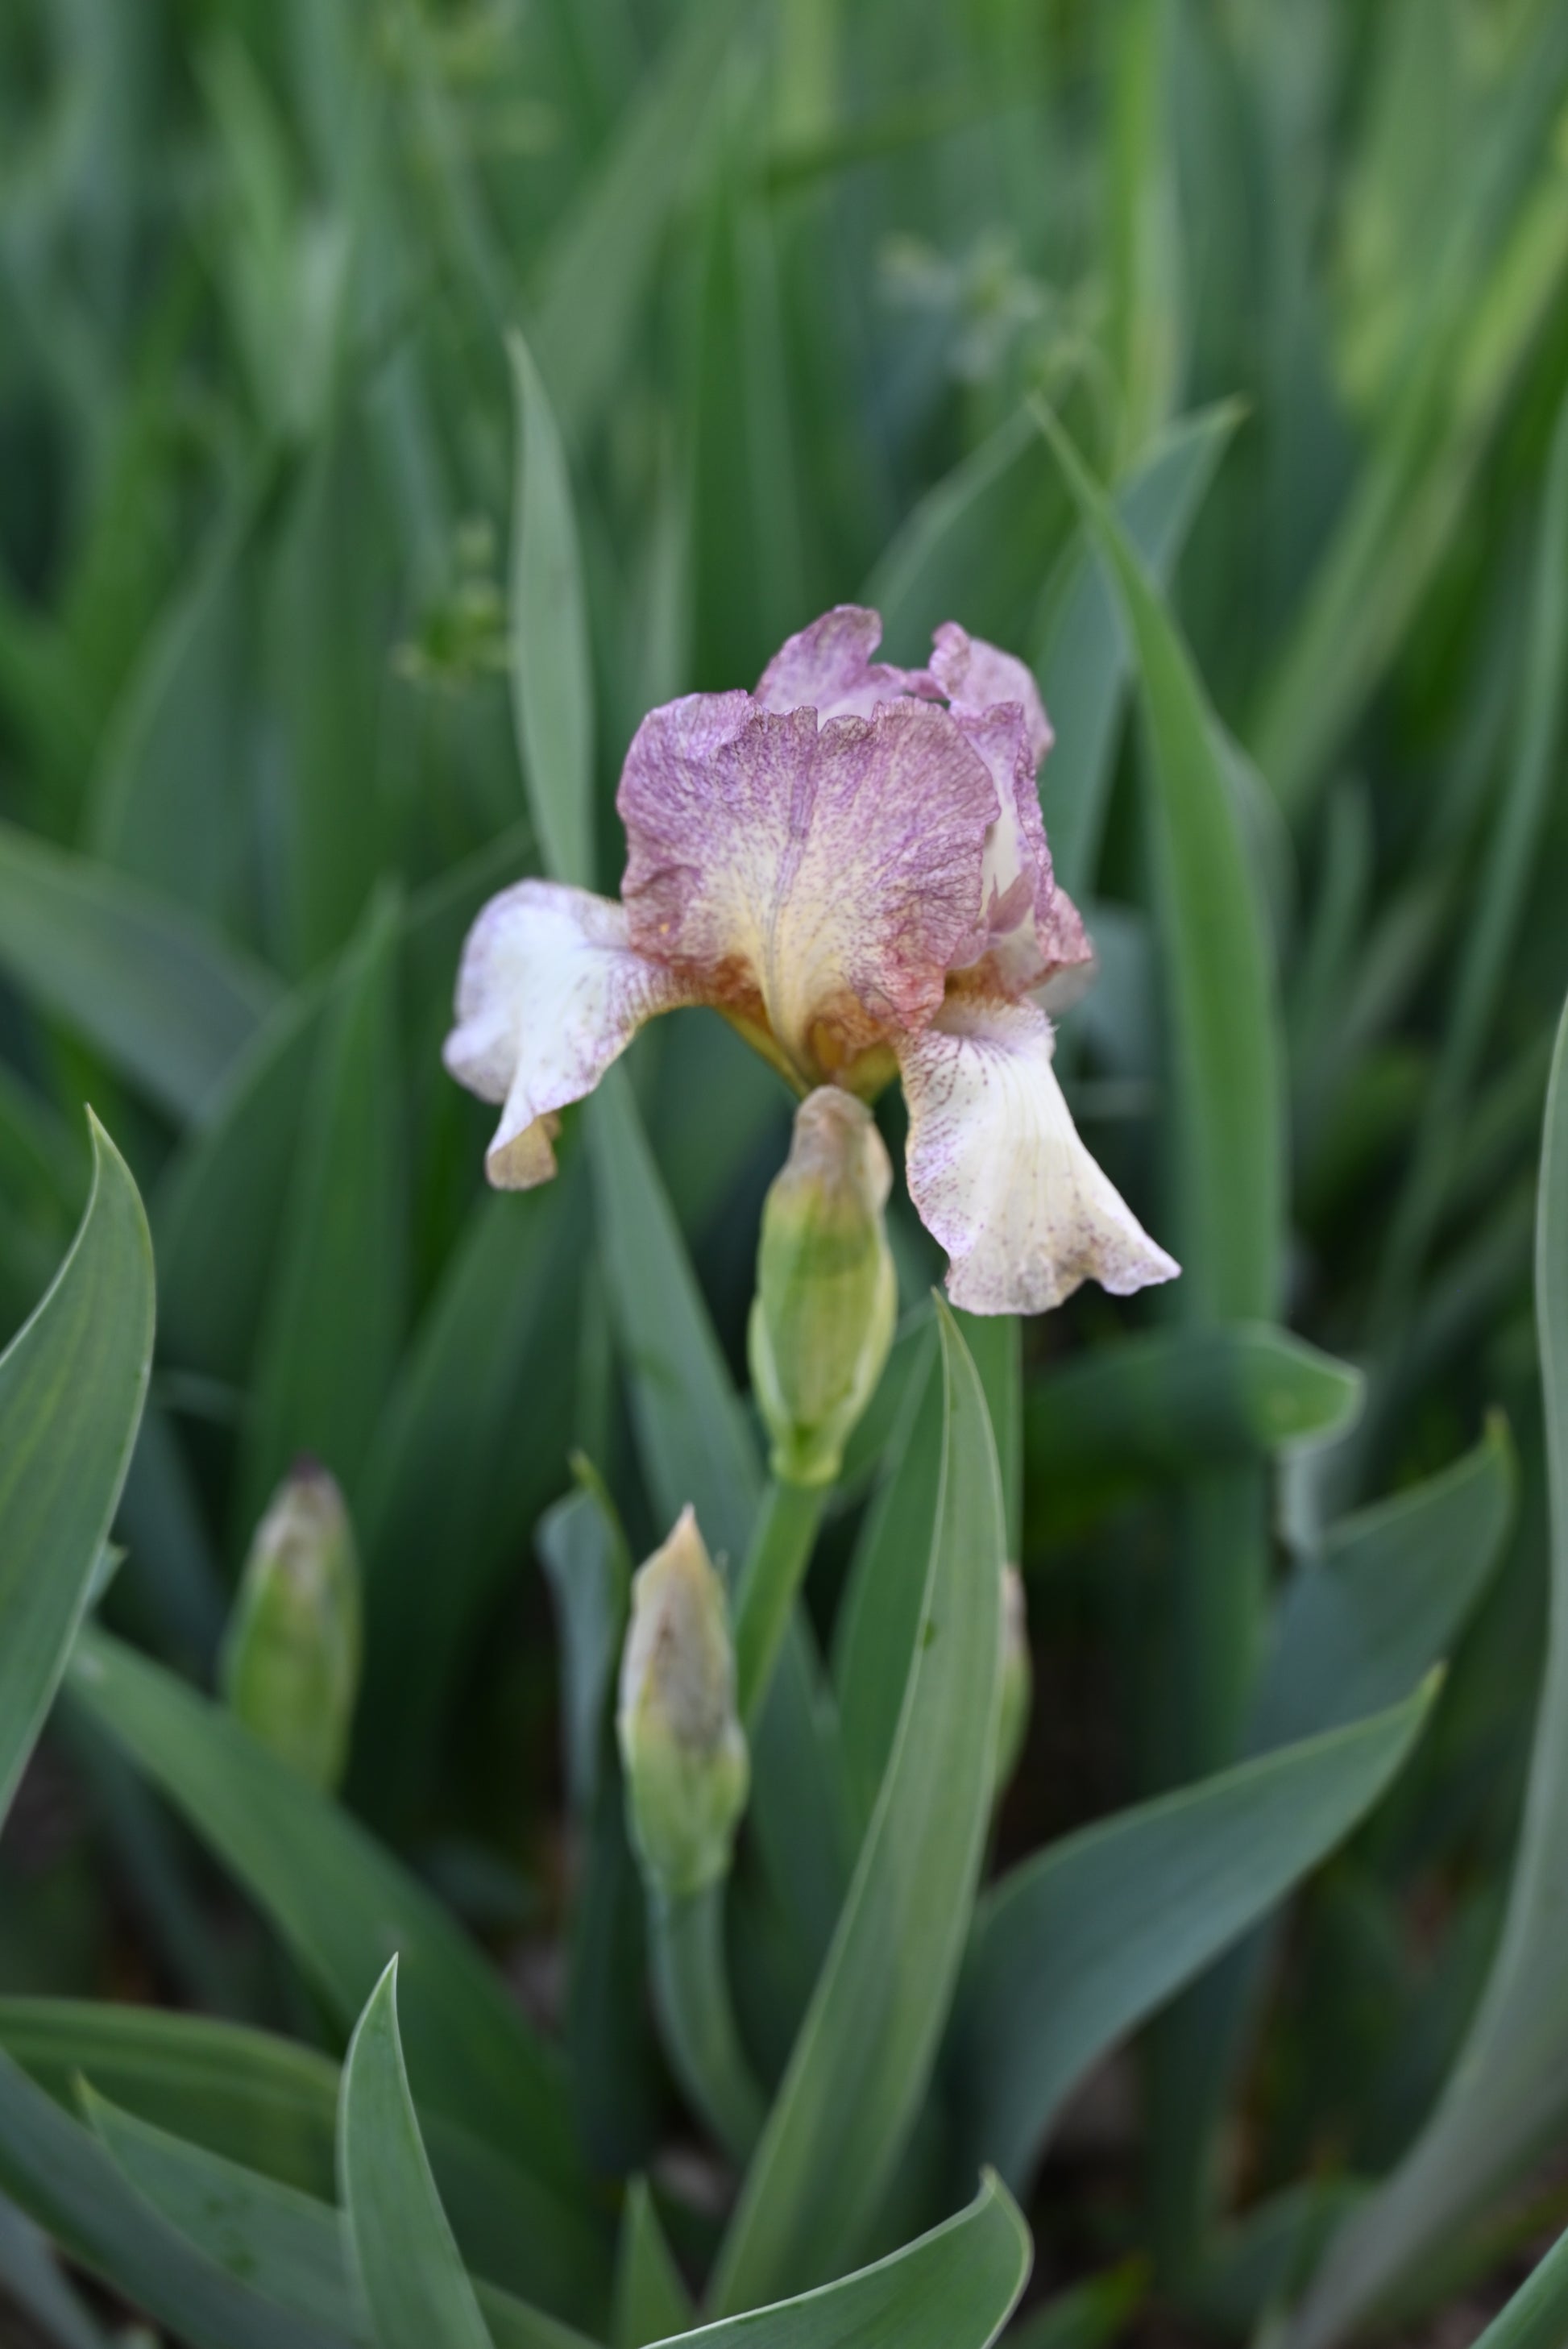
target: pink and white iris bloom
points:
(850, 864)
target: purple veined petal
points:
(999, 1174)
(817, 882)
(975, 677)
(549, 992)
(1030, 934)
(1040, 948)
(1067, 953)
(829, 668)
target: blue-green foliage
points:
(397, 397)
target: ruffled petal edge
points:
(997, 1171)
(550, 993)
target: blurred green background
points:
(1291, 273)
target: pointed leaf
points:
(852, 2089)
(72, 1383)
(954, 2288)
(66, 2181)
(1083, 1943)
(290, 2246)
(651, 2302)
(269, 2107)
(258, 2100)
(415, 2284)
(586, 1562)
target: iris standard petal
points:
(817, 882)
(1030, 931)
(975, 677)
(1035, 937)
(829, 668)
(550, 993)
(997, 1172)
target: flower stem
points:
(691, 1988)
(770, 1577)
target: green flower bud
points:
(1017, 1678)
(682, 1744)
(823, 1320)
(289, 1665)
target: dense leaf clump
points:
(398, 399)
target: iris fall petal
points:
(997, 1172)
(550, 993)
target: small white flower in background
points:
(850, 864)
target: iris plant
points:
(851, 864)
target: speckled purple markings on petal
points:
(1029, 928)
(551, 991)
(827, 876)
(984, 684)
(976, 675)
(829, 668)
(997, 1172)
(1016, 872)
(851, 863)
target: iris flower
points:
(850, 864)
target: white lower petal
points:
(999, 1174)
(550, 993)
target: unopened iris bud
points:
(289, 1665)
(682, 1744)
(1017, 1678)
(823, 1320)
